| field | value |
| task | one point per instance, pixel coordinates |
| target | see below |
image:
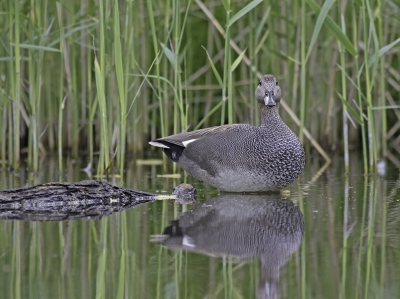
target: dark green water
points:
(227, 246)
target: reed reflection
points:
(270, 227)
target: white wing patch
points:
(154, 143)
(185, 143)
(188, 241)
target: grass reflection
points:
(350, 246)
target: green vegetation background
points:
(108, 76)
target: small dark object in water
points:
(186, 194)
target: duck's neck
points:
(269, 114)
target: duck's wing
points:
(183, 139)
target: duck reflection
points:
(270, 227)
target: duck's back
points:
(246, 158)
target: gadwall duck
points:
(241, 157)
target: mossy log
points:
(69, 201)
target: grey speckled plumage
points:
(241, 157)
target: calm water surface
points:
(333, 236)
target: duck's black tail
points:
(174, 152)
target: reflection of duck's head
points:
(267, 226)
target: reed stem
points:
(17, 91)
(368, 81)
(60, 90)
(359, 92)
(344, 90)
(303, 69)
(119, 70)
(382, 85)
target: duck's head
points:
(268, 91)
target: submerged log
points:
(69, 201)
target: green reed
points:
(227, 62)
(341, 13)
(100, 72)
(61, 98)
(158, 73)
(382, 90)
(303, 69)
(104, 155)
(369, 82)
(50, 96)
(359, 93)
(3, 134)
(17, 88)
(121, 89)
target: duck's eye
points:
(276, 82)
(259, 83)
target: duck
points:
(242, 157)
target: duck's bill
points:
(269, 101)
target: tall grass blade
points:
(17, 91)
(369, 82)
(261, 24)
(92, 26)
(214, 69)
(344, 93)
(383, 50)
(354, 114)
(385, 107)
(303, 69)
(158, 74)
(104, 152)
(334, 28)
(352, 81)
(226, 4)
(119, 70)
(184, 26)
(212, 111)
(170, 55)
(360, 94)
(41, 48)
(227, 64)
(243, 11)
(61, 99)
(237, 61)
(375, 44)
(318, 25)
(262, 42)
